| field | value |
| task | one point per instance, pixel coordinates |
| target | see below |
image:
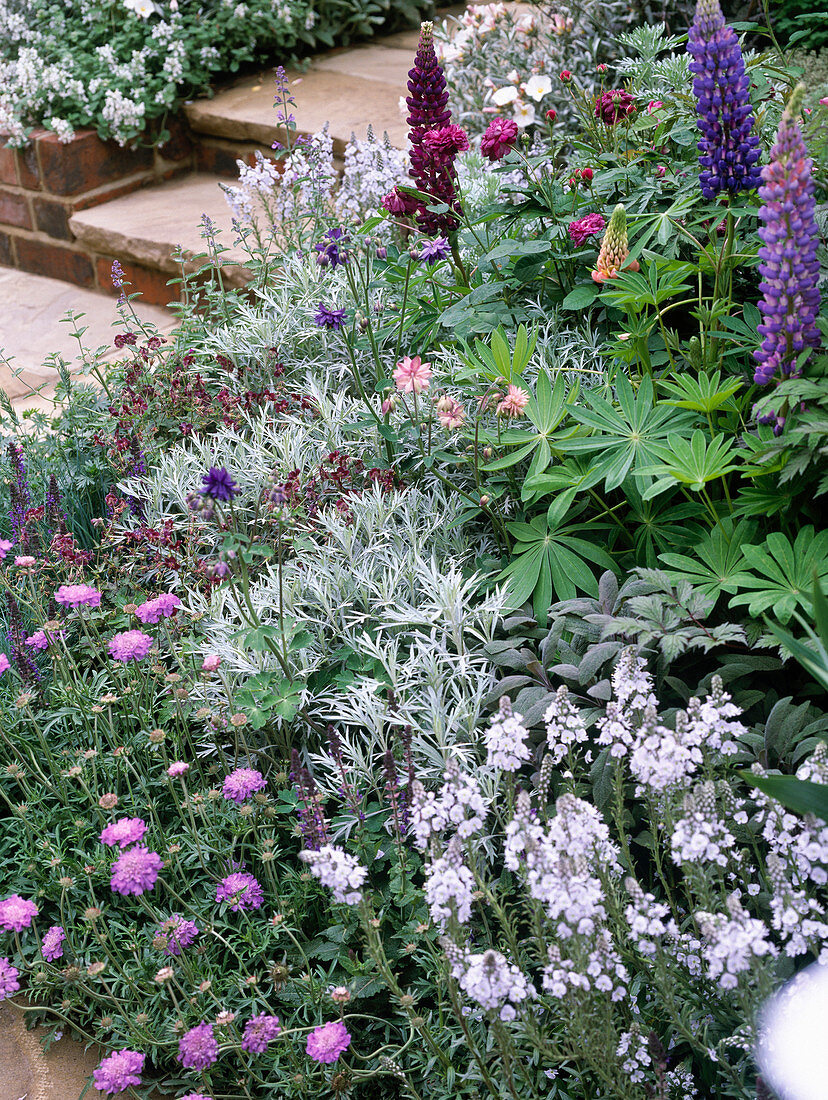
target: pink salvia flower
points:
(326, 1043)
(412, 375)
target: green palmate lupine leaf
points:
(704, 394)
(797, 794)
(718, 563)
(656, 528)
(782, 574)
(690, 462)
(625, 437)
(570, 473)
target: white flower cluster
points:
(564, 725)
(633, 1053)
(449, 886)
(733, 942)
(457, 806)
(505, 739)
(599, 967)
(701, 836)
(308, 179)
(491, 980)
(372, 169)
(649, 920)
(337, 869)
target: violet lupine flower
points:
(131, 645)
(501, 135)
(611, 107)
(218, 484)
(197, 1048)
(16, 913)
(432, 251)
(326, 1043)
(78, 595)
(587, 226)
(8, 978)
(432, 172)
(729, 151)
(52, 945)
(242, 783)
(174, 934)
(241, 890)
(119, 1071)
(788, 258)
(163, 606)
(123, 832)
(332, 319)
(259, 1031)
(135, 872)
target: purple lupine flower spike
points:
(788, 257)
(729, 150)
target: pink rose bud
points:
(565, 76)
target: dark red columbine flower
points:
(611, 107)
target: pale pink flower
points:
(412, 375)
(211, 662)
(450, 413)
(25, 562)
(514, 402)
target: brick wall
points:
(42, 185)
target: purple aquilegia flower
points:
(241, 890)
(119, 1071)
(218, 484)
(16, 913)
(123, 832)
(136, 871)
(8, 978)
(428, 113)
(788, 257)
(52, 945)
(198, 1048)
(587, 226)
(332, 251)
(332, 319)
(131, 645)
(174, 934)
(432, 251)
(611, 107)
(259, 1031)
(78, 595)
(151, 611)
(326, 1043)
(242, 783)
(728, 149)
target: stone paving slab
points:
(26, 1073)
(31, 330)
(147, 226)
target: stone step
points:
(146, 227)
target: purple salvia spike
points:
(788, 257)
(729, 150)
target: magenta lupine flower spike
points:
(788, 258)
(728, 148)
(432, 159)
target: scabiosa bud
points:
(728, 149)
(788, 258)
(614, 248)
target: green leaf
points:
(781, 574)
(797, 794)
(581, 297)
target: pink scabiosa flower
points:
(611, 107)
(119, 1071)
(501, 135)
(41, 640)
(123, 832)
(17, 913)
(8, 978)
(259, 1031)
(196, 1096)
(174, 934)
(78, 595)
(614, 249)
(241, 890)
(198, 1048)
(131, 645)
(588, 226)
(151, 611)
(135, 872)
(5, 546)
(242, 783)
(210, 663)
(4, 663)
(177, 768)
(326, 1043)
(412, 375)
(513, 403)
(52, 945)
(25, 561)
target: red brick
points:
(6, 250)
(85, 162)
(52, 218)
(217, 160)
(151, 283)
(8, 163)
(27, 167)
(44, 258)
(179, 145)
(104, 194)
(14, 210)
